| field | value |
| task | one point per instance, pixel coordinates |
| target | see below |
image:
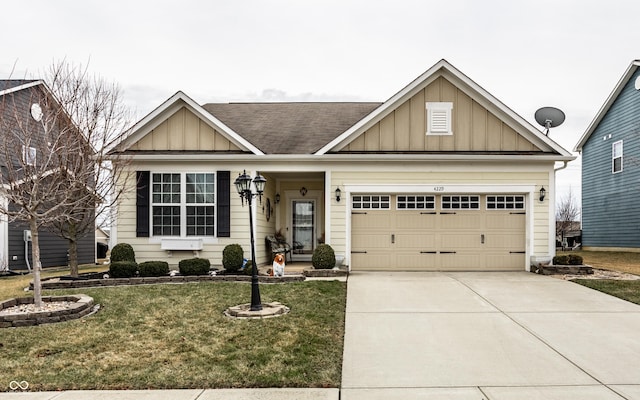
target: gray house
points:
(19, 104)
(610, 150)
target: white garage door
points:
(438, 232)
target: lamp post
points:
(243, 186)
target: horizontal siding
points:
(609, 200)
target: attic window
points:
(439, 118)
(29, 155)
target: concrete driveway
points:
(487, 336)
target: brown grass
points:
(611, 260)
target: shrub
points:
(248, 268)
(123, 269)
(323, 257)
(194, 266)
(123, 252)
(561, 260)
(153, 268)
(232, 256)
(575, 259)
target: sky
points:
(529, 54)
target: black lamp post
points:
(243, 186)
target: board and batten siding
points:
(474, 127)
(610, 217)
(184, 131)
(538, 245)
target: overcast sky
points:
(528, 54)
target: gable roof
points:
(290, 128)
(473, 90)
(607, 104)
(13, 85)
(171, 105)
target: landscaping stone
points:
(54, 310)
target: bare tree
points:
(53, 159)
(567, 212)
(96, 108)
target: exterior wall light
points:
(542, 193)
(277, 198)
(338, 193)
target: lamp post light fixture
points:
(243, 186)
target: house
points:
(610, 149)
(21, 103)
(442, 176)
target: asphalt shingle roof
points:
(11, 83)
(290, 128)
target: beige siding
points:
(474, 127)
(184, 131)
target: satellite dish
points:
(638, 83)
(549, 117)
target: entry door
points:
(303, 221)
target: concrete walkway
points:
(490, 336)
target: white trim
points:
(617, 89)
(169, 107)
(328, 202)
(294, 195)
(613, 157)
(21, 87)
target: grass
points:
(626, 290)
(176, 336)
(612, 260)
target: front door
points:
(303, 221)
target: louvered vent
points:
(439, 118)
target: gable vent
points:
(439, 118)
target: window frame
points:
(472, 200)
(29, 155)
(412, 202)
(183, 205)
(615, 157)
(368, 201)
(509, 202)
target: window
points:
(370, 202)
(29, 155)
(415, 202)
(183, 204)
(616, 157)
(505, 202)
(460, 202)
(439, 118)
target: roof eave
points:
(607, 104)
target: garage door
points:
(438, 232)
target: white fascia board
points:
(440, 188)
(345, 158)
(21, 87)
(468, 86)
(607, 104)
(152, 120)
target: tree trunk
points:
(35, 260)
(73, 257)
(73, 249)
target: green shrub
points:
(194, 266)
(123, 269)
(153, 268)
(123, 252)
(561, 260)
(575, 259)
(232, 257)
(248, 269)
(323, 257)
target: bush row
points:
(567, 259)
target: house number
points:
(438, 188)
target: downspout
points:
(563, 167)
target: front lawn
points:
(612, 260)
(626, 290)
(176, 336)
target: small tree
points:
(567, 212)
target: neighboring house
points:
(18, 100)
(102, 242)
(610, 150)
(568, 234)
(442, 176)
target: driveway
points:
(490, 336)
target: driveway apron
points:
(486, 336)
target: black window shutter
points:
(223, 203)
(142, 203)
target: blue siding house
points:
(610, 150)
